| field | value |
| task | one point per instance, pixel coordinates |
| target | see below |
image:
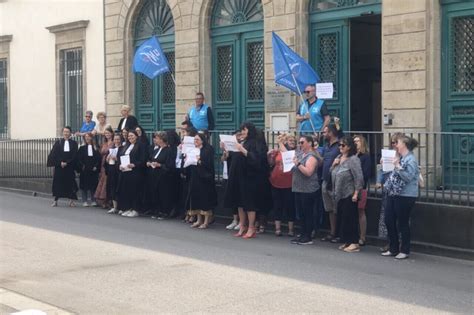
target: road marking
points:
(13, 301)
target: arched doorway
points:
(238, 66)
(155, 99)
(345, 49)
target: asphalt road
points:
(83, 260)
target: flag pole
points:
(304, 102)
(172, 77)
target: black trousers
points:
(304, 203)
(349, 215)
(397, 219)
(283, 203)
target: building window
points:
(3, 99)
(72, 87)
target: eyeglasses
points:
(307, 92)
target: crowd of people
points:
(128, 176)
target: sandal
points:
(361, 243)
(72, 204)
(277, 233)
(261, 229)
(291, 233)
(343, 246)
(203, 226)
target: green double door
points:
(238, 76)
(457, 92)
(155, 99)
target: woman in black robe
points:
(161, 180)
(88, 159)
(63, 158)
(112, 171)
(244, 178)
(265, 200)
(130, 176)
(202, 196)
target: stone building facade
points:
(384, 58)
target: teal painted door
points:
(155, 99)
(237, 79)
(330, 57)
(457, 92)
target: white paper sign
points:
(113, 153)
(287, 158)
(225, 174)
(230, 142)
(388, 156)
(191, 157)
(324, 90)
(178, 159)
(124, 161)
(188, 144)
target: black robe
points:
(89, 178)
(201, 182)
(245, 176)
(112, 172)
(130, 124)
(64, 179)
(161, 185)
(128, 193)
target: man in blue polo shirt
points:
(200, 115)
(312, 114)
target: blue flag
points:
(150, 60)
(289, 67)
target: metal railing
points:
(446, 161)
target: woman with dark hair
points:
(112, 171)
(63, 158)
(364, 157)
(402, 190)
(202, 196)
(173, 142)
(130, 176)
(304, 185)
(142, 137)
(101, 191)
(88, 158)
(283, 197)
(347, 181)
(124, 132)
(159, 187)
(242, 187)
(264, 201)
(183, 174)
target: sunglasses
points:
(307, 92)
(394, 143)
(301, 142)
(88, 116)
(342, 145)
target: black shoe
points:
(295, 240)
(305, 241)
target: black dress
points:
(64, 179)
(128, 182)
(201, 182)
(112, 171)
(89, 178)
(244, 178)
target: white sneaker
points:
(125, 213)
(120, 212)
(401, 256)
(132, 214)
(112, 211)
(85, 204)
(237, 227)
(54, 204)
(387, 253)
(232, 225)
(94, 204)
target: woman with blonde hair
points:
(364, 157)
